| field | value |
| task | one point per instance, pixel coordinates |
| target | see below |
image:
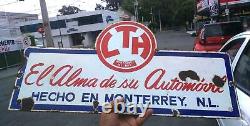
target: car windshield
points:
(242, 71)
(231, 28)
(224, 29)
(233, 47)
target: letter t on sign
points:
(126, 30)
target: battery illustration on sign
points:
(126, 64)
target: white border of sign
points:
(14, 105)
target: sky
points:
(33, 6)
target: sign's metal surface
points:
(184, 83)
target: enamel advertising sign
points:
(126, 64)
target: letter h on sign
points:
(145, 44)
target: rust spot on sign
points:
(191, 74)
(176, 113)
(95, 106)
(26, 104)
(218, 81)
(19, 75)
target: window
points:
(34, 27)
(242, 71)
(213, 30)
(231, 28)
(233, 47)
(224, 29)
(58, 24)
(93, 19)
(71, 20)
(30, 28)
(77, 39)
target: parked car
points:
(213, 36)
(238, 48)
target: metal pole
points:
(160, 19)
(22, 57)
(60, 33)
(46, 24)
(195, 14)
(43, 40)
(5, 58)
(227, 11)
(219, 9)
(136, 10)
(61, 37)
(151, 15)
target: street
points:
(174, 40)
(171, 40)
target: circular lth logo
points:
(126, 46)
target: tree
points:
(32, 39)
(99, 7)
(112, 4)
(67, 10)
(173, 12)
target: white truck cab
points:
(238, 48)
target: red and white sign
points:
(204, 4)
(229, 1)
(126, 46)
(125, 64)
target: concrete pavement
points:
(174, 40)
(9, 71)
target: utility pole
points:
(227, 11)
(46, 24)
(160, 20)
(136, 10)
(60, 44)
(219, 9)
(152, 18)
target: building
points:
(9, 21)
(228, 10)
(10, 47)
(75, 30)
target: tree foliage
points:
(67, 10)
(173, 12)
(99, 7)
(113, 4)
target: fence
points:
(12, 58)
